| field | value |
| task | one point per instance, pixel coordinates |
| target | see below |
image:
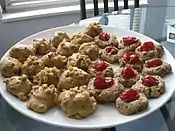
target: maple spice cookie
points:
(42, 46)
(150, 86)
(79, 60)
(66, 48)
(77, 102)
(90, 49)
(133, 60)
(156, 66)
(80, 38)
(100, 68)
(109, 54)
(32, 66)
(105, 89)
(150, 50)
(22, 52)
(127, 76)
(129, 43)
(93, 29)
(42, 98)
(54, 59)
(58, 37)
(73, 77)
(49, 76)
(19, 86)
(131, 102)
(105, 39)
(10, 67)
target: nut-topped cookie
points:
(93, 29)
(10, 67)
(105, 39)
(22, 52)
(49, 76)
(79, 60)
(105, 89)
(77, 102)
(42, 98)
(100, 68)
(42, 46)
(150, 50)
(150, 86)
(90, 49)
(66, 48)
(73, 77)
(32, 66)
(58, 37)
(19, 86)
(80, 38)
(156, 66)
(54, 59)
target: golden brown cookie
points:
(10, 67)
(93, 29)
(19, 86)
(42, 46)
(79, 60)
(77, 102)
(58, 37)
(54, 59)
(73, 77)
(42, 98)
(21, 52)
(32, 66)
(90, 49)
(49, 76)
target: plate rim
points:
(92, 126)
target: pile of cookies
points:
(78, 72)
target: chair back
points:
(106, 7)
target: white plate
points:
(106, 115)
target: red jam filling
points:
(130, 95)
(129, 40)
(100, 66)
(111, 50)
(153, 63)
(131, 58)
(104, 36)
(150, 81)
(103, 83)
(128, 73)
(147, 46)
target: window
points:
(27, 5)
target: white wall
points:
(170, 9)
(155, 18)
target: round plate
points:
(106, 114)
